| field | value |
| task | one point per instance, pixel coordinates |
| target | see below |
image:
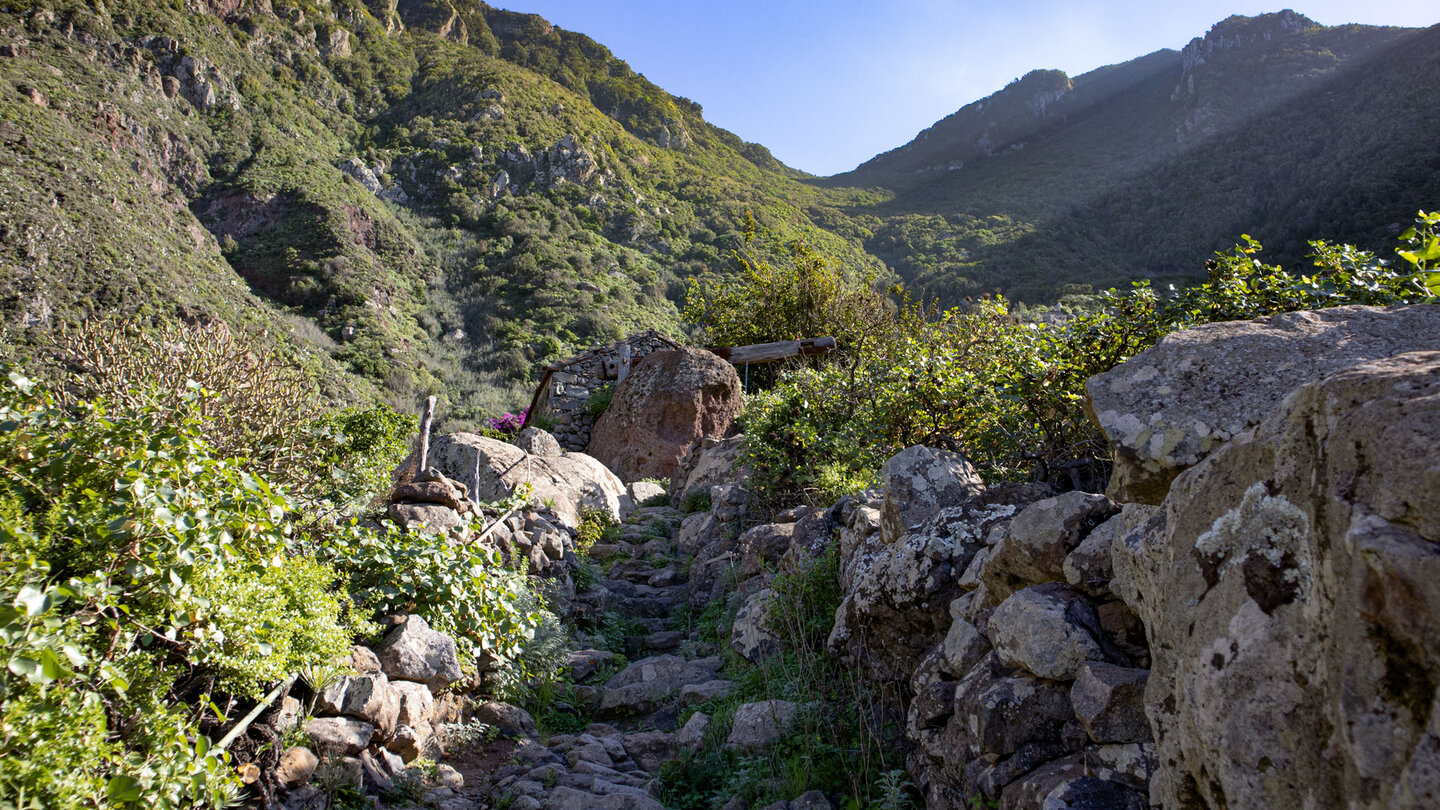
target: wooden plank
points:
(425, 418)
(623, 369)
(779, 350)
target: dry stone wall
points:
(573, 383)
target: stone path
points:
(613, 764)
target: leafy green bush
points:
(599, 400)
(1007, 391)
(596, 526)
(459, 589)
(697, 501)
(119, 528)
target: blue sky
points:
(828, 85)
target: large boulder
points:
(565, 484)
(1167, 408)
(1292, 592)
(671, 400)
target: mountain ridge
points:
(439, 197)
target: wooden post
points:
(475, 480)
(426, 417)
(622, 370)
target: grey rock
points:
(692, 694)
(1030, 790)
(1050, 630)
(710, 462)
(414, 652)
(592, 752)
(1089, 793)
(757, 726)
(692, 734)
(650, 749)
(368, 697)
(897, 594)
(572, 482)
(642, 491)
(811, 800)
(339, 736)
(416, 703)
(432, 516)
(649, 682)
(565, 798)
(751, 636)
(920, 481)
(1001, 713)
(1175, 403)
(1035, 544)
(512, 721)
(584, 663)
(963, 648)
(1109, 700)
(537, 442)
(1293, 582)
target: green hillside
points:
(429, 197)
(434, 201)
(1270, 125)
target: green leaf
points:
(124, 789)
(23, 666)
(35, 600)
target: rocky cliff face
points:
(1249, 629)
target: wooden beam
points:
(780, 350)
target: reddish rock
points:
(670, 401)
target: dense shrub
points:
(460, 589)
(124, 537)
(1006, 390)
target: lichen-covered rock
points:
(919, 482)
(1050, 630)
(1110, 702)
(751, 636)
(1037, 541)
(571, 482)
(538, 442)
(761, 547)
(758, 726)
(709, 462)
(368, 697)
(339, 736)
(897, 595)
(1173, 404)
(671, 400)
(1293, 598)
(414, 652)
(1001, 710)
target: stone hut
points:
(568, 384)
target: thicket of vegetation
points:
(173, 543)
(1001, 386)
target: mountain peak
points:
(1237, 31)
